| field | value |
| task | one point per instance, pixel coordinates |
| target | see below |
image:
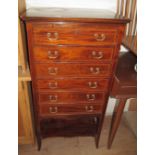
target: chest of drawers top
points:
(73, 15)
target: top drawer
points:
(77, 34)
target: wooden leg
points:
(38, 138)
(101, 121)
(116, 120)
(98, 134)
(39, 142)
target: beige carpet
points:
(124, 144)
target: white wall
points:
(98, 4)
(94, 4)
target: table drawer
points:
(49, 110)
(74, 84)
(72, 53)
(72, 69)
(70, 97)
(67, 33)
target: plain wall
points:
(94, 4)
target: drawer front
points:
(83, 34)
(68, 69)
(73, 53)
(49, 110)
(74, 84)
(70, 97)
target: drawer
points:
(74, 84)
(72, 69)
(67, 33)
(70, 97)
(72, 53)
(49, 110)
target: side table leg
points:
(116, 118)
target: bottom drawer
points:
(49, 110)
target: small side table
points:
(124, 87)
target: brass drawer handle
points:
(91, 97)
(99, 37)
(53, 55)
(53, 109)
(89, 108)
(96, 55)
(53, 98)
(53, 85)
(93, 84)
(52, 71)
(95, 70)
(52, 36)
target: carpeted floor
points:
(124, 144)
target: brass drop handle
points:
(53, 85)
(99, 37)
(93, 84)
(52, 36)
(53, 98)
(53, 109)
(53, 55)
(89, 108)
(96, 55)
(91, 97)
(95, 70)
(52, 71)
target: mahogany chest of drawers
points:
(72, 54)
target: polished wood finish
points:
(125, 79)
(72, 60)
(74, 84)
(73, 69)
(55, 109)
(124, 87)
(72, 53)
(70, 97)
(76, 34)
